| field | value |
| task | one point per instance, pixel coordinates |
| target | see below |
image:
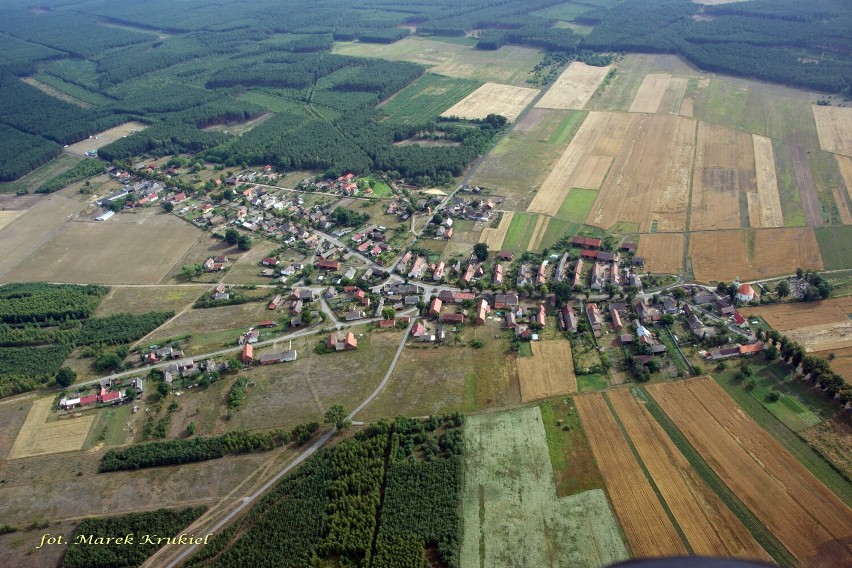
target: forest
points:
(162, 522)
(379, 498)
(180, 71)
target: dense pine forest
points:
(182, 66)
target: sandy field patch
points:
(709, 526)
(106, 137)
(601, 134)
(765, 211)
(549, 372)
(807, 518)
(38, 437)
(540, 228)
(842, 197)
(794, 315)
(834, 126)
(129, 248)
(493, 237)
(493, 98)
(7, 217)
(41, 222)
(724, 168)
(752, 254)
(648, 529)
(648, 183)
(663, 252)
(574, 88)
(650, 93)
(592, 171)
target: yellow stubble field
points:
(764, 207)
(493, 236)
(573, 89)
(493, 98)
(834, 126)
(39, 437)
(663, 252)
(549, 372)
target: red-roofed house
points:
(435, 307)
(738, 319)
(89, 399)
(328, 264)
(482, 309)
(745, 293)
(540, 316)
(110, 396)
(586, 242)
(452, 318)
(248, 353)
(752, 349)
(384, 324)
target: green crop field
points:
(556, 229)
(272, 102)
(512, 515)
(788, 189)
(834, 246)
(577, 205)
(520, 230)
(426, 98)
(568, 127)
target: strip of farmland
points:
(646, 525)
(767, 209)
(801, 512)
(709, 526)
(574, 88)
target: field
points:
(104, 138)
(512, 516)
(646, 524)
(824, 337)
(764, 207)
(648, 183)
(105, 252)
(493, 98)
(549, 372)
(30, 230)
(33, 180)
(520, 232)
(754, 254)
(841, 363)
(795, 315)
(833, 246)
(577, 204)
(38, 437)
(239, 128)
(542, 222)
(601, 135)
(631, 71)
(659, 92)
(663, 253)
(494, 236)
(426, 98)
(55, 93)
(574, 88)
(711, 529)
(835, 128)
(843, 196)
(144, 299)
(807, 518)
(509, 64)
(833, 438)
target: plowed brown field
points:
(709, 526)
(663, 252)
(549, 372)
(807, 518)
(646, 525)
(834, 126)
(724, 168)
(648, 182)
(752, 254)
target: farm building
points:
(272, 358)
(585, 242)
(435, 307)
(247, 354)
(276, 301)
(505, 301)
(347, 343)
(594, 316)
(328, 265)
(482, 309)
(451, 318)
(567, 318)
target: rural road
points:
(246, 501)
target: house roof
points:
(750, 349)
(746, 290)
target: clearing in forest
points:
(646, 525)
(493, 98)
(708, 525)
(602, 134)
(512, 516)
(834, 126)
(648, 183)
(93, 143)
(724, 169)
(663, 252)
(38, 436)
(752, 254)
(549, 372)
(574, 88)
(807, 518)
(764, 207)
(493, 237)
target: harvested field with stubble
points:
(648, 182)
(549, 372)
(709, 526)
(493, 98)
(493, 237)
(648, 529)
(660, 92)
(574, 88)
(834, 125)
(752, 254)
(602, 134)
(38, 437)
(663, 252)
(807, 518)
(512, 515)
(764, 209)
(843, 197)
(541, 224)
(833, 438)
(724, 169)
(794, 315)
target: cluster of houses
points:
(247, 356)
(135, 193)
(103, 396)
(370, 242)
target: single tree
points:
(65, 377)
(336, 415)
(130, 393)
(190, 428)
(480, 251)
(232, 236)
(244, 242)
(388, 313)
(783, 289)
